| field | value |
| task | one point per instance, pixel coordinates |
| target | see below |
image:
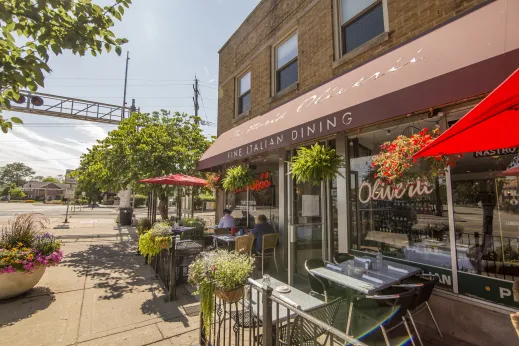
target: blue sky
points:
(170, 42)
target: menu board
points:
(311, 205)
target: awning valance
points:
(465, 58)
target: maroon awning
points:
(465, 58)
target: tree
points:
(37, 178)
(32, 28)
(145, 146)
(51, 180)
(17, 193)
(15, 173)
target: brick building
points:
(353, 74)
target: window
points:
(286, 64)
(244, 93)
(360, 21)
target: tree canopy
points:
(50, 179)
(15, 173)
(32, 28)
(144, 146)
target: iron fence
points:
(260, 318)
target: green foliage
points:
(207, 197)
(316, 164)
(237, 177)
(222, 270)
(195, 234)
(51, 180)
(151, 243)
(143, 225)
(15, 173)
(17, 193)
(144, 145)
(32, 28)
(140, 200)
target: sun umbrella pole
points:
(192, 201)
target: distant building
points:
(38, 190)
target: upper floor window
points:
(244, 93)
(361, 21)
(286, 63)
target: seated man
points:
(227, 221)
(261, 228)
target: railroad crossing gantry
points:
(67, 107)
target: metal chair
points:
(387, 311)
(304, 332)
(244, 244)
(321, 286)
(423, 285)
(268, 249)
(342, 257)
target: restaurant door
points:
(312, 224)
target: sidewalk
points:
(102, 294)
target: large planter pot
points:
(14, 284)
(231, 296)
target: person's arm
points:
(220, 224)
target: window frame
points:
(276, 70)
(340, 42)
(238, 96)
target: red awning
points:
(512, 172)
(176, 179)
(492, 124)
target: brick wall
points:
(250, 47)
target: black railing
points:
(165, 267)
(260, 318)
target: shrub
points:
(143, 225)
(140, 200)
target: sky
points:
(170, 41)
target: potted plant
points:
(214, 181)
(237, 177)
(316, 164)
(26, 250)
(221, 273)
(157, 239)
(395, 162)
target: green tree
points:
(145, 146)
(15, 173)
(50, 180)
(32, 28)
(37, 178)
(17, 193)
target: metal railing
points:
(239, 323)
(164, 265)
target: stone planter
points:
(14, 284)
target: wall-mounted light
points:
(388, 132)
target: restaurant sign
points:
(381, 191)
(496, 152)
(263, 182)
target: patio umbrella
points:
(492, 124)
(176, 179)
(512, 172)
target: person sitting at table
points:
(227, 221)
(261, 228)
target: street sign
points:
(69, 193)
(70, 178)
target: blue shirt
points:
(258, 231)
(227, 221)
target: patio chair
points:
(320, 286)
(304, 332)
(342, 257)
(268, 249)
(423, 285)
(244, 244)
(386, 311)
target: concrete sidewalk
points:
(102, 294)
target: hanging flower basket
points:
(237, 177)
(214, 181)
(316, 164)
(395, 163)
(231, 296)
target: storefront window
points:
(407, 222)
(486, 214)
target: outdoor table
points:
(181, 229)
(229, 239)
(304, 300)
(375, 281)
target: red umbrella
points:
(176, 179)
(512, 172)
(492, 124)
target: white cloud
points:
(206, 70)
(92, 131)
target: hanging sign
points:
(496, 152)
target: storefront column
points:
(452, 233)
(282, 200)
(342, 195)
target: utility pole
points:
(125, 82)
(195, 98)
